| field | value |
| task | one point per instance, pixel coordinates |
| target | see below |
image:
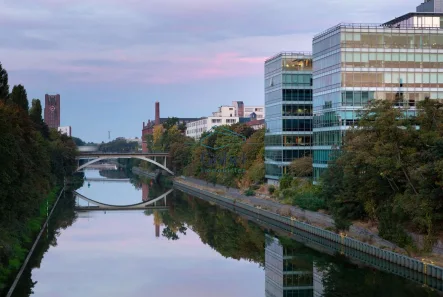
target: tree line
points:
(34, 160)
(228, 155)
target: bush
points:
(285, 182)
(341, 224)
(271, 189)
(249, 192)
(309, 201)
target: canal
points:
(183, 246)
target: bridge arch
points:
(107, 157)
(130, 206)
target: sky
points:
(110, 60)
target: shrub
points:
(285, 182)
(249, 192)
(271, 189)
(309, 201)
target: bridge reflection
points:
(157, 203)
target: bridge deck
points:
(98, 154)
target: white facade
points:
(225, 111)
(225, 115)
(258, 110)
(197, 128)
(65, 130)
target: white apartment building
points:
(258, 110)
(225, 115)
(197, 128)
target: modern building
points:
(52, 111)
(400, 60)
(226, 115)
(65, 130)
(288, 107)
(148, 128)
(287, 272)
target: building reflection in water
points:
(289, 272)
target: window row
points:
(297, 79)
(320, 45)
(294, 110)
(328, 137)
(392, 60)
(286, 155)
(322, 156)
(392, 79)
(297, 95)
(298, 280)
(289, 64)
(274, 170)
(287, 140)
(390, 39)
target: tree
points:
(389, 170)
(35, 113)
(19, 97)
(301, 167)
(4, 86)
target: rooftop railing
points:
(370, 26)
(288, 54)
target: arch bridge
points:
(151, 204)
(153, 158)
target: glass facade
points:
(288, 272)
(288, 109)
(356, 63)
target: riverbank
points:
(321, 222)
(27, 240)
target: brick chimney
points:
(157, 113)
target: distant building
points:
(226, 115)
(52, 110)
(148, 128)
(65, 130)
(256, 124)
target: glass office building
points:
(401, 60)
(288, 273)
(288, 109)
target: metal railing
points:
(289, 54)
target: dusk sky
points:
(110, 60)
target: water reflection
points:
(288, 272)
(192, 247)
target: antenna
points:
(109, 135)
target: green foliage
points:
(4, 86)
(390, 171)
(119, 145)
(35, 113)
(33, 161)
(221, 229)
(309, 201)
(271, 189)
(285, 182)
(19, 97)
(249, 192)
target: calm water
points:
(184, 247)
